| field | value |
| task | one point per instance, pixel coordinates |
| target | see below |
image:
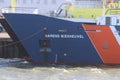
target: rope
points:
(27, 38)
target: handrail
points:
(20, 10)
(113, 9)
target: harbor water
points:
(18, 69)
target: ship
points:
(57, 39)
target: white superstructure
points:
(49, 4)
(39, 4)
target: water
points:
(17, 69)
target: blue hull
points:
(51, 40)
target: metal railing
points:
(25, 10)
(20, 10)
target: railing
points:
(27, 10)
(20, 10)
(113, 11)
(88, 3)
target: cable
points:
(27, 38)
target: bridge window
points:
(117, 20)
(108, 20)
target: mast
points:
(104, 7)
(13, 5)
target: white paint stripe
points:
(94, 45)
(115, 33)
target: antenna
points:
(104, 7)
(13, 5)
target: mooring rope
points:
(24, 39)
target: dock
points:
(8, 48)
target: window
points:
(108, 20)
(117, 21)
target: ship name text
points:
(64, 36)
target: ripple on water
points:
(20, 70)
